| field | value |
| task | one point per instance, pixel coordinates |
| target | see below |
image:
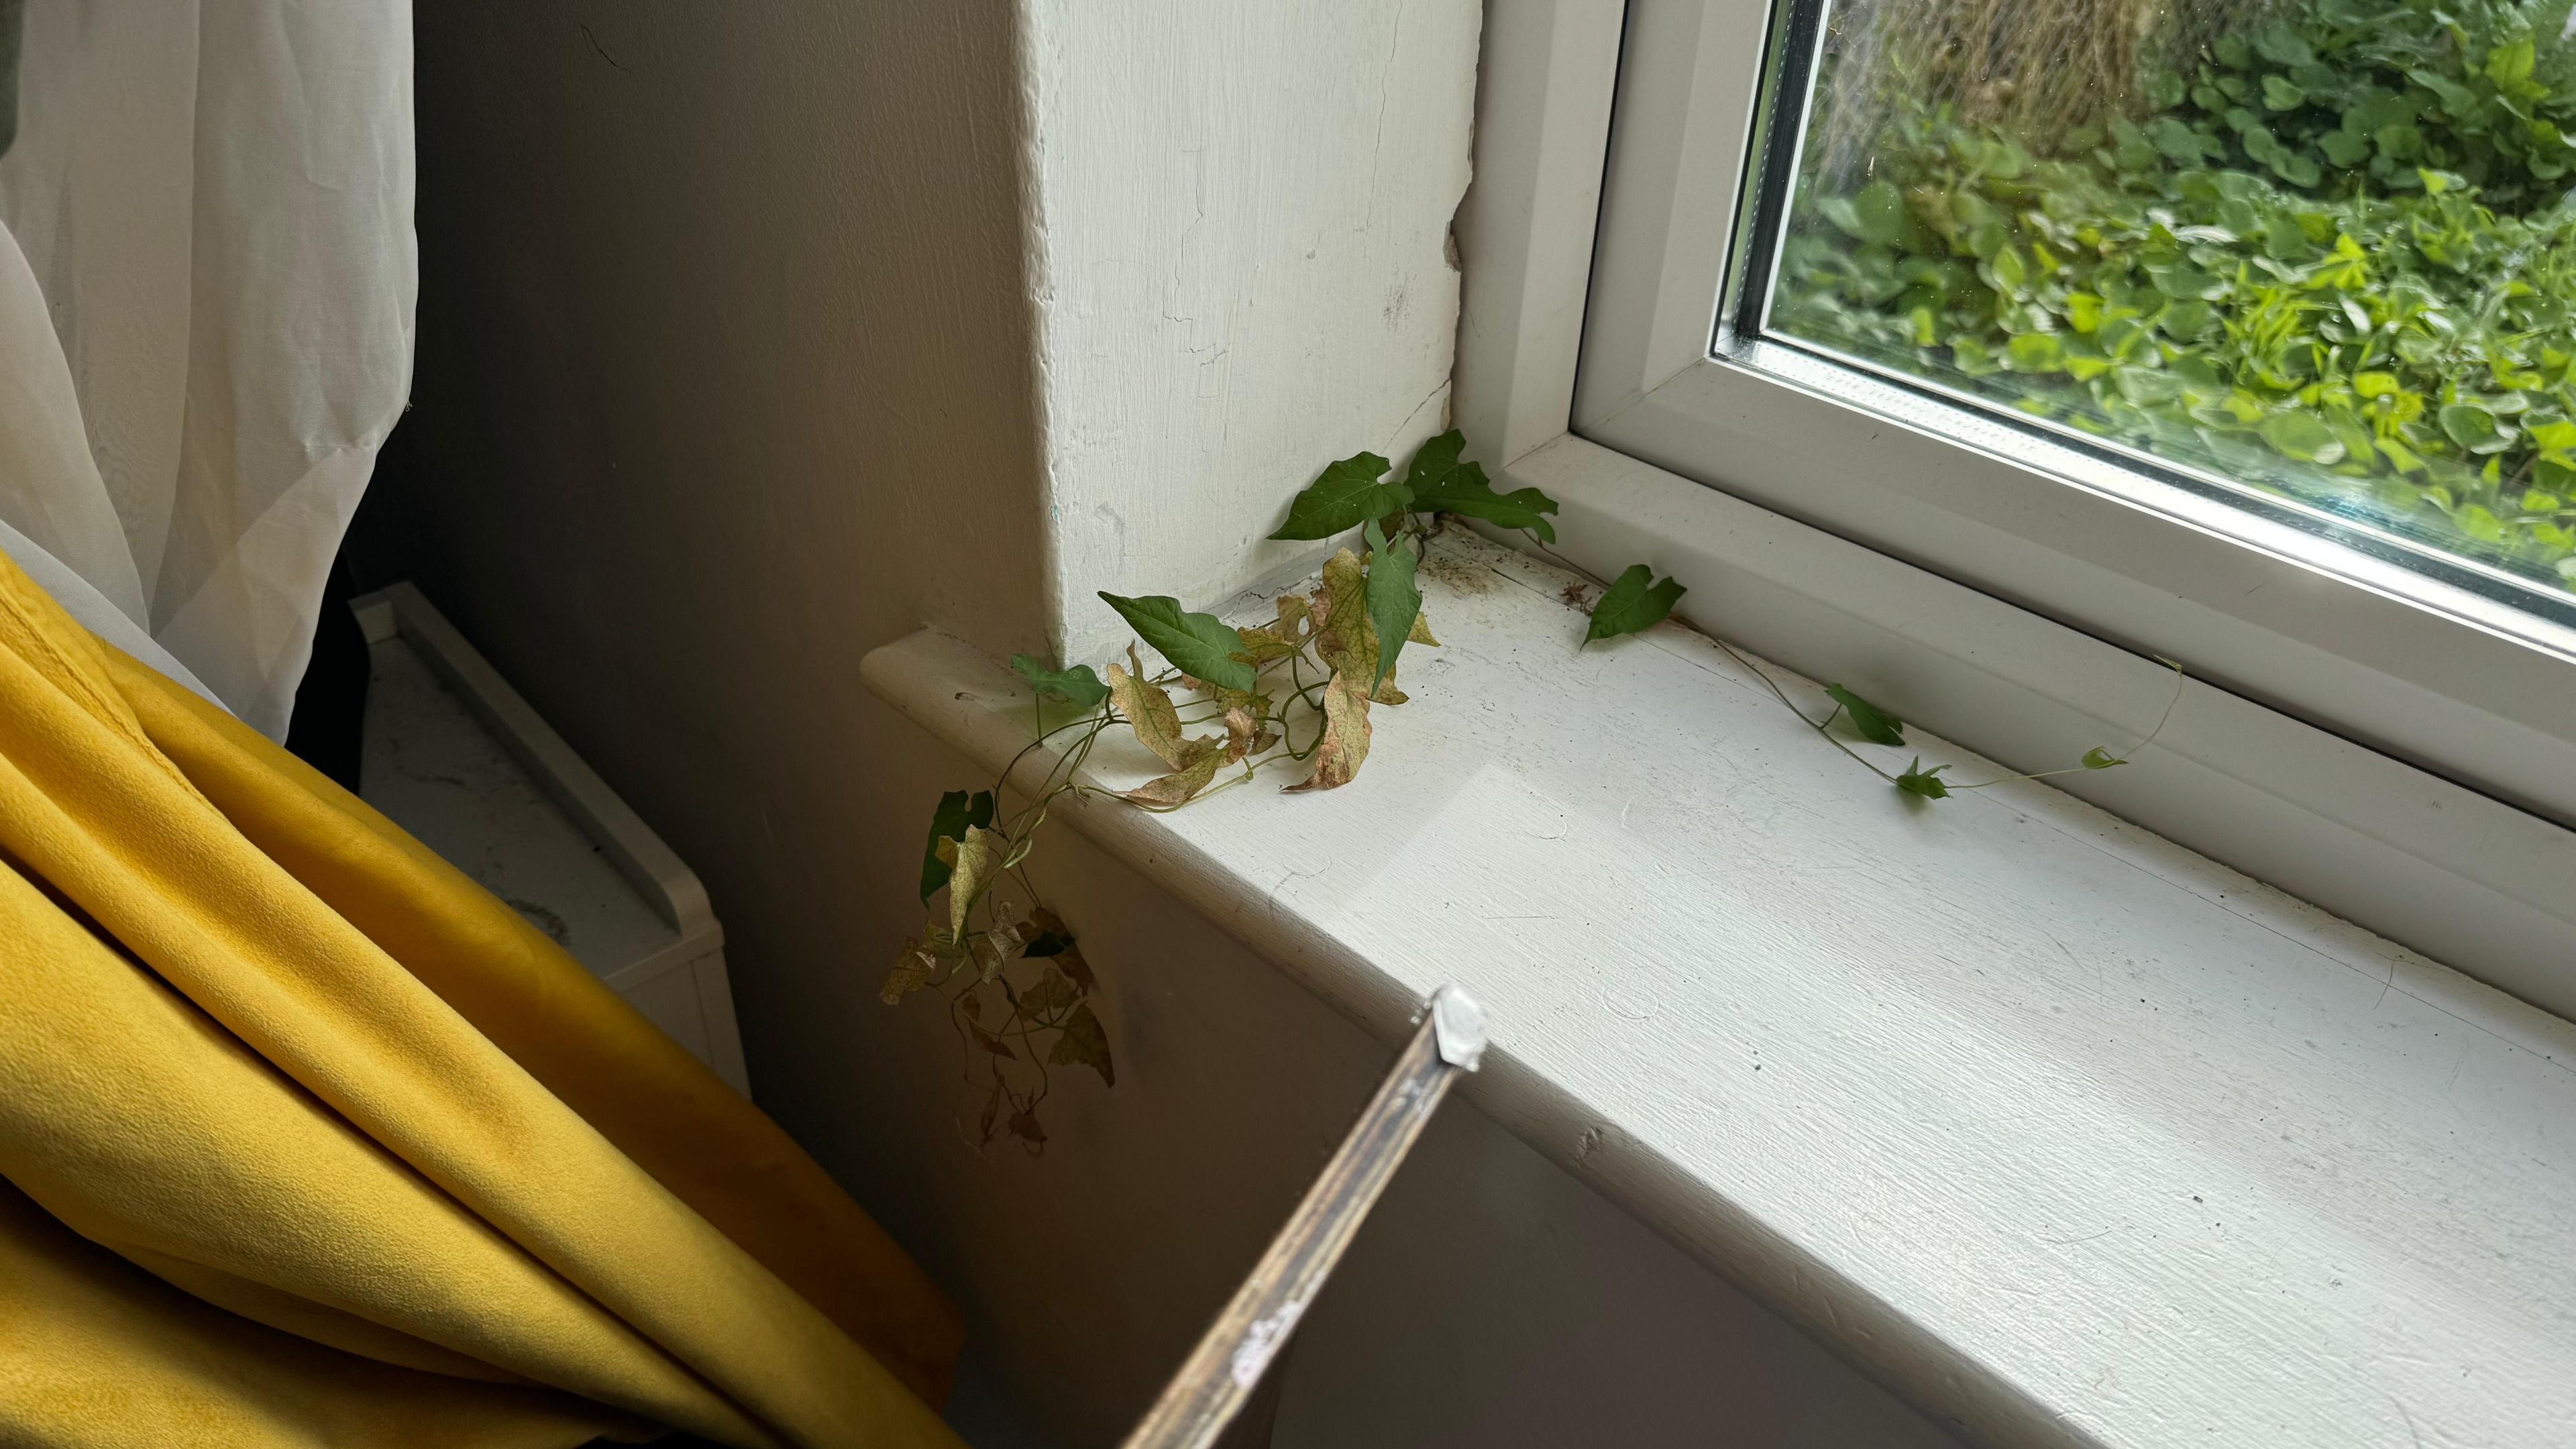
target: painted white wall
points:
(737, 360)
(1241, 269)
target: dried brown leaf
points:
(1244, 735)
(1024, 1125)
(1083, 1043)
(1244, 699)
(1048, 935)
(996, 949)
(1421, 632)
(1265, 642)
(1053, 993)
(1071, 962)
(1346, 736)
(912, 971)
(973, 863)
(988, 1041)
(1152, 715)
(1166, 791)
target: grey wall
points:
(723, 380)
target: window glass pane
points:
(2326, 248)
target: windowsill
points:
(2071, 1135)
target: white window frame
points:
(2396, 747)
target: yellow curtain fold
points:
(262, 1045)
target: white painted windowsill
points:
(2071, 1135)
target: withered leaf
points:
(955, 812)
(912, 971)
(1024, 1125)
(1265, 642)
(1346, 736)
(1047, 934)
(1083, 1043)
(1420, 633)
(973, 863)
(990, 1042)
(1150, 712)
(1071, 963)
(1244, 699)
(994, 949)
(1165, 792)
(992, 1109)
(1054, 992)
(1244, 735)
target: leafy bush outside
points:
(2333, 253)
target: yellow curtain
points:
(263, 1057)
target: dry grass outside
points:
(2042, 70)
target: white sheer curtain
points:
(207, 279)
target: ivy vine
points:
(1294, 694)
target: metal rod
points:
(1237, 1349)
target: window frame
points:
(1593, 324)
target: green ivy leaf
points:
(2474, 428)
(1349, 493)
(2282, 45)
(1879, 213)
(2179, 142)
(2510, 65)
(1633, 602)
(1345, 639)
(955, 812)
(1393, 600)
(1919, 781)
(1443, 484)
(2098, 758)
(2304, 436)
(1875, 725)
(2036, 352)
(1201, 646)
(1077, 686)
(2555, 436)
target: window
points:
(2082, 326)
(2323, 249)
(2236, 332)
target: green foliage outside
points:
(2337, 258)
